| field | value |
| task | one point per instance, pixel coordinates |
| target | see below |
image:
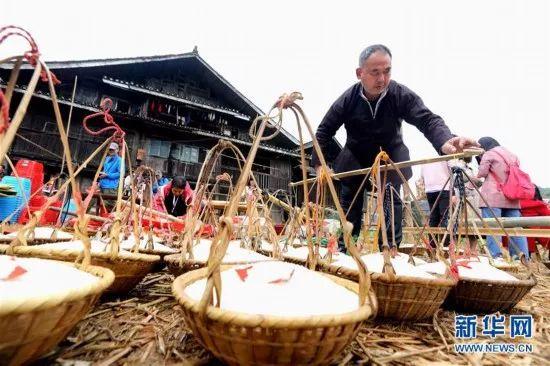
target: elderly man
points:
(372, 112)
(110, 175)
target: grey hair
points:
(367, 52)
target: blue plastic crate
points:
(13, 203)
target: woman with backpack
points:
(501, 190)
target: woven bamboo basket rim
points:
(160, 253)
(176, 258)
(362, 313)
(284, 256)
(382, 277)
(71, 254)
(107, 277)
(5, 240)
(521, 282)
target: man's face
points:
(375, 74)
(177, 191)
(112, 152)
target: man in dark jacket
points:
(372, 112)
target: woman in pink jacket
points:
(493, 166)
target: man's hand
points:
(458, 144)
(102, 175)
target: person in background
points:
(472, 196)
(161, 180)
(175, 196)
(493, 166)
(2, 172)
(436, 184)
(110, 175)
(536, 207)
(251, 190)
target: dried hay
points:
(147, 327)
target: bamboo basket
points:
(30, 330)
(156, 252)
(246, 339)
(408, 249)
(6, 239)
(239, 338)
(488, 296)
(161, 264)
(286, 258)
(177, 267)
(129, 268)
(401, 297)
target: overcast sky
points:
(482, 65)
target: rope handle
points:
(105, 112)
(31, 56)
(289, 102)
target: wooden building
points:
(173, 109)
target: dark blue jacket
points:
(375, 125)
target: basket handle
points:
(289, 101)
(221, 240)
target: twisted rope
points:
(31, 56)
(105, 105)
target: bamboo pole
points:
(277, 201)
(404, 164)
(7, 138)
(69, 120)
(71, 213)
(162, 215)
(513, 231)
(529, 221)
(220, 204)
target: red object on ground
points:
(279, 228)
(531, 208)
(33, 170)
(206, 230)
(17, 271)
(243, 272)
(48, 218)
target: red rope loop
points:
(105, 105)
(4, 113)
(31, 55)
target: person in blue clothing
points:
(110, 175)
(159, 181)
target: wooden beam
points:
(220, 205)
(530, 233)
(400, 165)
(72, 213)
(517, 221)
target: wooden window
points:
(49, 127)
(159, 148)
(189, 154)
